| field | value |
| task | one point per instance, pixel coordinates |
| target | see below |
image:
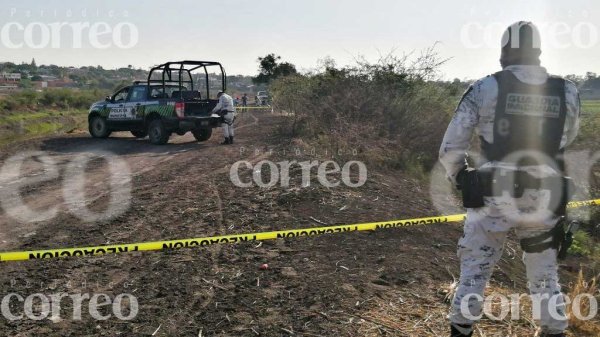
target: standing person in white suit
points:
(226, 109)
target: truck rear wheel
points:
(202, 135)
(98, 127)
(157, 132)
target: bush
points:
(60, 98)
(583, 244)
(391, 111)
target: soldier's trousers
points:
(228, 125)
(481, 248)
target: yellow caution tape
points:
(261, 236)
(579, 204)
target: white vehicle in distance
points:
(261, 98)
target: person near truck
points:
(525, 119)
(226, 109)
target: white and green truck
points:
(178, 97)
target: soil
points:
(384, 283)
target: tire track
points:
(216, 249)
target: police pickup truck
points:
(177, 97)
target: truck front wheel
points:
(202, 135)
(98, 127)
(157, 132)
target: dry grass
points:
(411, 315)
(584, 327)
(419, 313)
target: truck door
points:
(136, 102)
(122, 113)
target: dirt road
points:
(387, 283)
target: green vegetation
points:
(29, 114)
(270, 69)
(57, 99)
(392, 112)
(13, 118)
(43, 128)
(590, 124)
(26, 125)
(590, 106)
(89, 78)
(583, 244)
(585, 241)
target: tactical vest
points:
(528, 118)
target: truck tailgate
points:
(198, 108)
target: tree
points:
(285, 69)
(578, 80)
(590, 75)
(270, 68)
(25, 83)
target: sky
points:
(467, 33)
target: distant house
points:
(10, 77)
(48, 78)
(9, 81)
(73, 70)
(5, 87)
(40, 85)
(64, 82)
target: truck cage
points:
(183, 67)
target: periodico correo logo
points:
(38, 306)
(554, 35)
(68, 29)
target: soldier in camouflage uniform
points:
(502, 110)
